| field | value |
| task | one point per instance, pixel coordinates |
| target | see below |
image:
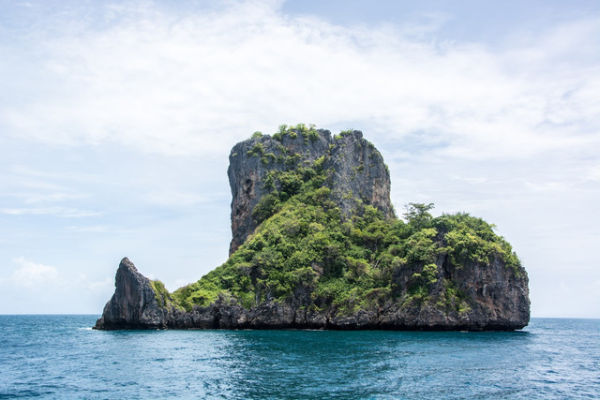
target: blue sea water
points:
(60, 357)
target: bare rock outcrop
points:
(359, 172)
(134, 304)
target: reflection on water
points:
(51, 356)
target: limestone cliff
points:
(359, 172)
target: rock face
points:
(359, 172)
(499, 300)
(134, 303)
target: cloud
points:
(173, 198)
(63, 212)
(27, 191)
(90, 229)
(102, 286)
(165, 82)
(30, 274)
(36, 198)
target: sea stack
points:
(316, 244)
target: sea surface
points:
(60, 357)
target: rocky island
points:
(316, 244)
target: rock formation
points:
(445, 273)
(359, 172)
(499, 301)
(134, 303)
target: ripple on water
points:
(61, 357)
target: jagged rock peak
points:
(126, 266)
(359, 172)
(134, 303)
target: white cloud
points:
(36, 198)
(33, 275)
(63, 212)
(102, 286)
(197, 83)
(593, 174)
(90, 229)
(81, 280)
(173, 198)
(28, 191)
(30, 274)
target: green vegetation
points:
(257, 149)
(309, 133)
(162, 295)
(304, 247)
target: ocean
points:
(61, 357)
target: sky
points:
(116, 121)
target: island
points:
(317, 244)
